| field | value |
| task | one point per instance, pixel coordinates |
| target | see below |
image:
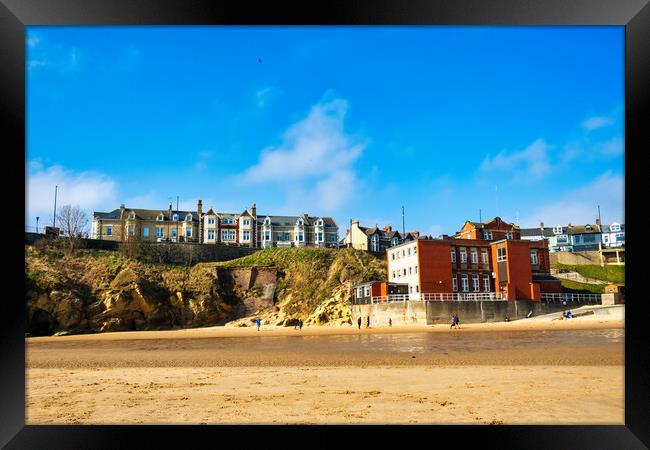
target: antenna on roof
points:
(403, 223)
(480, 218)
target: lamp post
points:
(56, 188)
(37, 224)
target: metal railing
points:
(436, 297)
(570, 297)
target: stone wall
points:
(166, 252)
(575, 258)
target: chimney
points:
(355, 222)
(541, 225)
(254, 210)
(121, 210)
(388, 229)
(415, 234)
(199, 212)
(598, 221)
(199, 208)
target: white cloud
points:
(529, 164)
(264, 95)
(314, 146)
(89, 190)
(612, 147)
(596, 122)
(33, 41)
(314, 164)
(580, 206)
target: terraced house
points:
(374, 239)
(246, 228)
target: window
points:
(463, 256)
(319, 236)
(279, 235)
(224, 235)
(557, 229)
(410, 289)
(246, 235)
(465, 282)
(299, 236)
(605, 238)
(367, 291)
(211, 234)
(417, 288)
(227, 221)
(374, 243)
(562, 239)
(232, 235)
(130, 229)
(501, 254)
(533, 257)
(475, 283)
(487, 235)
(453, 255)
(454, 283)
(267, 235)
(408, 252)
(393, 274)
(620, 237)
(405, 271)
(188, 218)
(392, 256)
(160, 232)
(188, 232)
(394, 241)
(319, 223)
(145, 232)
(474, 256)
(160, 218)
(486, 283)
(508, 234)
(287, 236)
(109, 230)
(410, 271)
(589, 238)
(484, 256)
(415, 249)
(415, 269)
(131, 215)
(615, 227)
(175, 217)
(174, 231)
(247, 222)
(210, 220)
(403, 253)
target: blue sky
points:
(350, 122)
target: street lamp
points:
(36, 224)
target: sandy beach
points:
(533, 371)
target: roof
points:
(145, 214)
(584, 229)
(607, 228)
(290, 221)
(529, 232)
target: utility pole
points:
(403, 224)
(599, 216)
(480, 217)
(56, 188)
(36, 224)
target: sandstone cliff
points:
(96, 291)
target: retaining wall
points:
(166, 252)
(429, 313)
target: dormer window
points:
(188, 218)
(267, 221)
(210, 220)
(319, 223)
(557, 229)
(131, 215)
(175, 217)
(300, 222)
(615, 227)
(160, 218)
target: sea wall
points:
(429, 313)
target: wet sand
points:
(536, 372)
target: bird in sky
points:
(259, 60)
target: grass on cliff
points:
(611, 273)
(309, 276)
(581, 288)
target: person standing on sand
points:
(300, 325)
(258, 323)
(359, 322)
(368, 321)
(390, 322)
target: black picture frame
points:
(634, 15)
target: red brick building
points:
(510, 269)
(493, 230)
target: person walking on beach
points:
(258, 322)
(300, 325)
(390, 322)
(455, 321)
(359, 322)
(368, 321)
